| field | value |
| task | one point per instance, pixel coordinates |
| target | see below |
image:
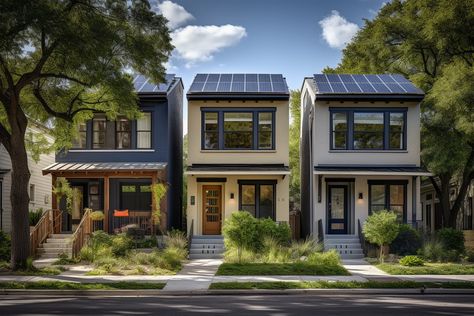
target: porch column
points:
(153, 203)
(106, 203)
(54, 204)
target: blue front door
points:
(337, 209)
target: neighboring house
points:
(360, 152)
(432, 214)
(114, 163)
(39, 186)
(238, 149)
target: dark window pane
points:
(238, 121)
(368, 130)
(377, 194)
(265, 130)
(396, 130)
(122, 133)
(249, 208)
(339, 130)
(98, 132)
(211, 121)
(339, 140)
(211, 140)
(368, 140)
(337, 203)
(339, 121)
(265, 140)
(238, 140)
(248, 194)
(266, 203)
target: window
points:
(258, 197)
(368, 129)
(135, 197)
(99, 125)
(144, 131)
(389, 195)
(32, 192)
(122, 133)
(80, 141)
(238, 129)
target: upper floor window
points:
(122, 133)
(370, 129)
(239, 129)
(80, 141)
(99, 126)
(144, 131)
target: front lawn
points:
(57, 285)
(5, 269)
(427, 268)
(293, 268)
(338, 285)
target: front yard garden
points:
(263, 247)
(413, 252)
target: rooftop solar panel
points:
(239, 83)
(364, 84)
(143, 84)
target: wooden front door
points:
(212, 209)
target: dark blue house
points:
(113, 164)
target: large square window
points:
(238, 130)
(368, 130)
(258, 197)
(388, 195)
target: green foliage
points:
(432, 250)
(294, 146)
(328, 258)
(416, 38)
(381, 228)
(266, 227)
(159, 191)
(451, 239)
(411, 261)
(304, 248)
(5, 246)
(407, 242)
(97, 215)
(34, 216)
(177, 239)
(239, 231)
(61, 189)
(428, 268)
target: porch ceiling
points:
(371, 170)
(59, 167)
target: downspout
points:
(311, 178)
(414, 201)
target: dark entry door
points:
(337, 209)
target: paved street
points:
(241, 305)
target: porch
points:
(121, 190)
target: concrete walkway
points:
(363, 269)
(195, 275)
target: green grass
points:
(57, 285)
(337, 285)
(428, 268)
(297, 268)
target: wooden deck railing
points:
(50, 223)
(142, 219)
(82, 233)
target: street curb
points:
(428, 291)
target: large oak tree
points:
(62, 60)
(432, 43)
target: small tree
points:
(159, 191)
(239, 231)
(381, 228)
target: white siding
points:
(42, 183)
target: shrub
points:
(239, 232)
(304, 248)
(97, 215)
(407, 242)
(35, 216)
(5, 246)
(381, 228)
(177, 239)
(451, 239)
(412, 261)
(121, 244)
(269, 228)
(328, 258)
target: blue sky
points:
(295, 38)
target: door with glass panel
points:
(337, 209)
(212, 209)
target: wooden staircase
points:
(55, 245)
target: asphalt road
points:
(241, 305)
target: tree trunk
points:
(20, 250)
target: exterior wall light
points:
(361, 196)
(232, 196)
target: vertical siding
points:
(42, 183)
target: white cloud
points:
(337, 31)
(174, 13)
(199, 43)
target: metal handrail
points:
(190, 235)
(320, 231)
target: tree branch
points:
(47, 108)
(64, 76)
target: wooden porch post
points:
(153, 204)
(106, 203)
(54, 203)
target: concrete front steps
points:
(348, 246)
(207, 247)
(55, 245)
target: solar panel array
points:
(143, 84)
(368, 84)
(239, 83)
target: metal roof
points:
(239, 84)
(104, 166)
(359, 86)
(143, 84)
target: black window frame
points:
(255, 127)
(257, 184)
(349, 112)
(94, 131)
(387, 184)
(117, 132)
(81, 131)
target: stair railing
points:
(320, 231)
(82, 233)
(49, 223)
(190, 235)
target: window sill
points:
(111, 150)
(238, 151)
(370, 151)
